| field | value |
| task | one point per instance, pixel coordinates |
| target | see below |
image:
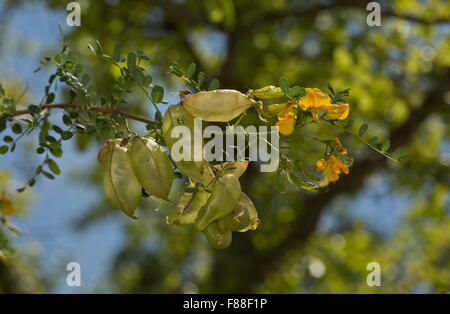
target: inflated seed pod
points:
(275, 110)
(237, 220)
(188, 207)
(244, 217)
(151, 166)
(224, 197)
(183, 202)
(252, 213)
(268, 92)
(220, 105)
(217, 237)
(103, 153)
(270, 109)
(236, 168)
(120, 183)
(176, 116)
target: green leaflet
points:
(224, 197)
(151, 166)
(120, 184)
(220, 105)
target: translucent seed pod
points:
(220, 105)
(177, 117)
(224, 197)
(120, 183)
(188, 207)
(151, 166)
(217, 237)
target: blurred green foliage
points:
(399, 77)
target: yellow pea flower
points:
(286, 120)
(8, 206)
(338, 165)
(340, 148)
(314, 99)
(331, 168)
(321, 164)
(337, 111)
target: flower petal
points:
(339, 111)
(338, 165)
(340, 148)
(286, 120)
(314, 98)
(321, 164)
(286, 127)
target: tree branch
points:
(226, 74)
(355, 4)
(183, 13)
(6, 115)
(415, 19)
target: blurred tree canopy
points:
(400, 84)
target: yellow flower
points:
(331, 168)
(338, 165)
(321, 164)
(286, 120)
(339, 147)
(314, 99)
(339, 111)
(7, 204)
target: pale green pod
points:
(198, 171)
(151, 166)
(274, 110)
(237, 220)
(217, 237)
(220, 105)
(244, 216)
(236, 168)
(183, 202)
(268, 92)
(188, 207)
(252, 213)
(103, 153)
(120, 183)
(224, 197)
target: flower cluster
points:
(332, 166)
(313, 100)
(286, 104)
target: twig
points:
(362, 140)
(90, 108)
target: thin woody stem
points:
(315, 138)
(90, 108)
(362, 140)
